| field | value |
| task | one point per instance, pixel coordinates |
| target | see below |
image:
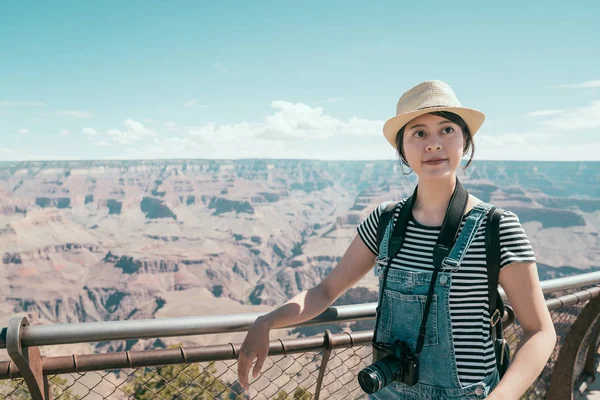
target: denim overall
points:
(401, 310)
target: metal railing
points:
(323, 366)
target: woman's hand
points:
(255, 346)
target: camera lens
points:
(379, 374)
(369, 381)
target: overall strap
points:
(472, 223)
(492, 244)
(446, 238)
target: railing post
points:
(326, 355)
(589, 368)
(562, 378)
(28, 360)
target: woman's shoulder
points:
(384, 206)
(392, 204)
(506, 213)
(389, 206)
(508, 219)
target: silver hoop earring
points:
(402, 167)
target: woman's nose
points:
(433, 146)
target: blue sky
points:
(276, 79)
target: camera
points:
(397, 364)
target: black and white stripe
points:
(469, 310)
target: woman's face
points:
(433, 146)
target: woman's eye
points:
(419, 134)
(448, 129)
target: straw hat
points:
(425, 98)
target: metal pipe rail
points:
(145, 358)
(44, 335)
(79, 363)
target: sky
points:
(279, 79)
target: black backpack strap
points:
(384, 219)
(386, 215)
(492, 243)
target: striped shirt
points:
(469, 308)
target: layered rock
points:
(116, 240)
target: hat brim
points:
(473, 118)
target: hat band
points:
(423, 108)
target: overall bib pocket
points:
(401, 316)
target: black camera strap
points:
(445, 241)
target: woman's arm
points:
(521, 284)
(356, 262)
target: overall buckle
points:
(382, 262)
(495, 317)
(449, 263)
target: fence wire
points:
(286, 377)
(13, 389)
(563, 318)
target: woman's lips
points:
(433, 162)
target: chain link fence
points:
(563, 319)
(289, 376)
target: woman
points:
(432, 132)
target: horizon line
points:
(266, 159)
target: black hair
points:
(450, 116)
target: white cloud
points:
(194, 103)
(582, 85)
(190, 103)
(19, 154)
(587, 117)
(290, 121)
(23, 131)
(99, 142)
(135, 131)
(292, 130)
(174, 145)
(8, 103)
(75, 114)
(64, 132)
(543, 151)
(138, 128)
(511, 139)
(119, 136)
(221, 68)
(297, 130)
(90, 131)
(193, 147)
(534, 146)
